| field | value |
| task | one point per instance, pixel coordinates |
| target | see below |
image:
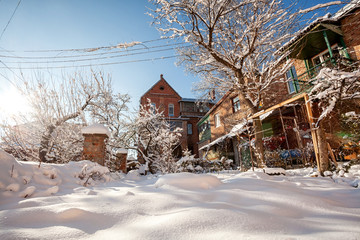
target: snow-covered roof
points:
(216, 141)
(237, 129)
(122, 150)
(325, 19)
(299, 34)
(131, 158)
(196, 100)
(346, 9)
(188, 100)
(96, 128)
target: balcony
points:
(304, 81)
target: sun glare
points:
(12, 103)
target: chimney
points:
(161, 77)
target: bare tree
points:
(154, 139)
(232, 44)
(59, 110)
(111, 109)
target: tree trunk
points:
(324, 163)
(44, 144)
(259, 147)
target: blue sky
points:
(69, 24)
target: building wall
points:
(228, 119)
(162, 95)
(278, 91)
(193, 139)
(351, 30)
(300, 67)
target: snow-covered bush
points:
(92, 172)
(199, 165)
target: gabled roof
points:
(161, 81)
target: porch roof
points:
(237, 129)
(311, 42)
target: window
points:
(235, 104)
(290, 77)
(171, 109)
(323, 59)
(153, 107)
(189, 129)
(217, 120)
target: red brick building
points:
(287, 116)
(180, 112)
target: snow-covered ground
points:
(51, 202)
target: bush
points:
(198, 165)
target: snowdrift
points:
(28, 179)
(82, 200)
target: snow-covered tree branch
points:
(59, 110)
(155, 139)
(232, 44)
(332, 87)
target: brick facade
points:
(350, 27)
(228, 118)
(224, 108)
(94, 148)
(162, 95)
(121, 162)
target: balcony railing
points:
(304, 81)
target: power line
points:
(91, 49)
(96, 58)
(10, 19)
(6, 78)
(98, 64)
(95, 54)
(9, 69)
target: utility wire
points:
(92, 48)
(95, 54)
(6, 66)
(10, 19)
(96, 58)
(6, 78)
(98, 64)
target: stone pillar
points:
(121, 160)
(95, 143)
